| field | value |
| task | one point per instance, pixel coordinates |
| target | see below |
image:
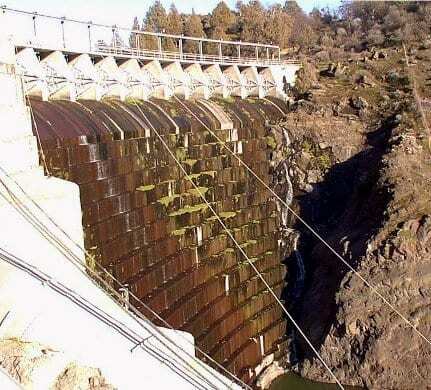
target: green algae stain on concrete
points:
(189, 209)
(198, 191)
(209, 173)
(146, 188)
(181, 153)
(167, 200)
(227, 214)
(270, 141)
(178, 232)
(190, 162)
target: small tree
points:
(278, 26)
(394, 20)
(133, 40)
(251, 22)
(155, 21)
(193, 28)
(326, 41)
(375, 36)
(174, 26)
(292, 8)
(303, 34)
(221, 21)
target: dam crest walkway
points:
(69, 59)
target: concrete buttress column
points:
(237, 82)
(55, 63)
(165, 84)
(217, 81)
(200, 81)
(253, 82)
(138, 84)
(182, 81)
(88, 82)
(113, 79)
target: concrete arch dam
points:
(145, 223)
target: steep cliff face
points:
(359, 161)
(145, 223)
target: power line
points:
(106, 272)
(258, 273)
(95, 311)
(313, 231)
(27, 214)
(222, 368)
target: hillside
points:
(359, 159)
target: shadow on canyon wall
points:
(345, 209)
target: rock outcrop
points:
(35, 366)
(361, 171)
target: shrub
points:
(375, 36)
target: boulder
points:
(334, 70)
(365, 80)
(358, 102)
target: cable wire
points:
(116, 280)
(23, 210)
(309, 227)
(228, 232)
(240, 248)
(221, 367)
(86, 305)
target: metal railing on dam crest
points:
(66, 58)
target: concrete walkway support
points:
(36, 83)
(200, 83)
(182, 84)
(218, 83)
(113, 80)
(253, 82)
(236, 82)
(61, 84)
(137, 81)
(163, 87)
(88, 84)
(61, 76)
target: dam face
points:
(135, 154)
(147, 225)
